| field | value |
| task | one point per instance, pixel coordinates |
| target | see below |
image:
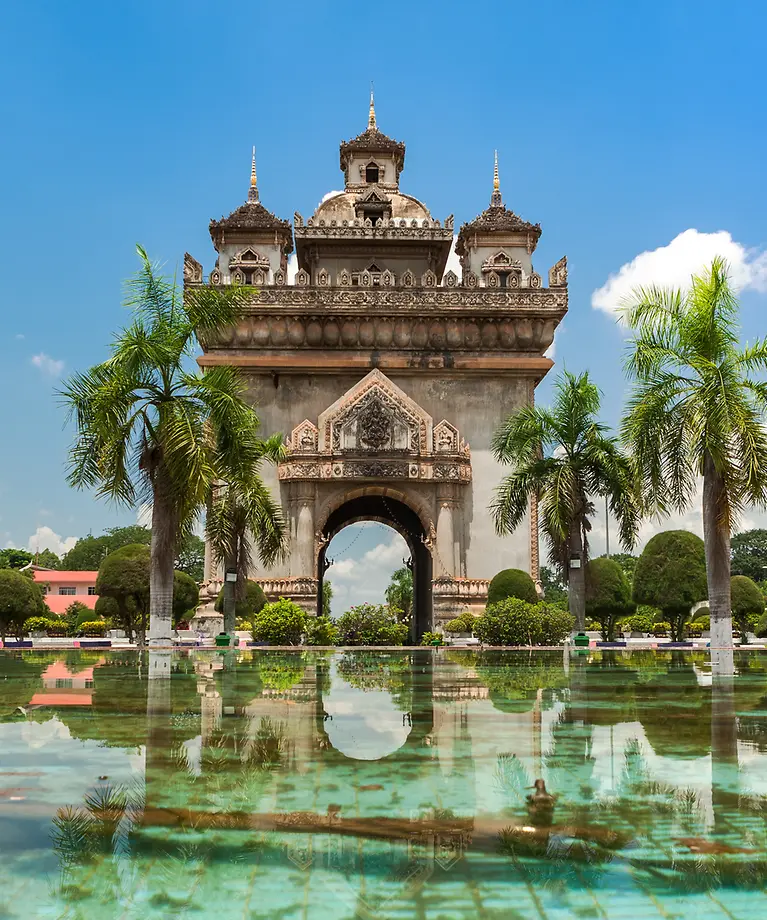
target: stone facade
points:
(386, 374)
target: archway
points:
(406, 522)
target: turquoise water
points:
(272, 784)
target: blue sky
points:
(619, 126)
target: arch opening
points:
(401, 518)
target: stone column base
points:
(453, 596)
(301, 590)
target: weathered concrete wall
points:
(474, 403)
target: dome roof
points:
(341, 206)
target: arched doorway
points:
(406, 522)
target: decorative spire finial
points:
(496, 201)
(253, 190)
(372, 115)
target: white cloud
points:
(674, 264)
(48, 365)
(45, 538)
(144, 515)
(328, 195)
(453, 263)
(292, 268)
(364, 578)
(20, 335)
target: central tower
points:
(387, 373)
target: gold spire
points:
(372, 115)
(495, 200)
(253, 190)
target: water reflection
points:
(259, 784)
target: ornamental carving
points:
(192, 270)
(375, 431)
(558, 273)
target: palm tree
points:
(149, 429)
(562, 457)
(243, 517)
(696, 411)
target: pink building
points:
(61, 588)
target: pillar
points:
(446, 533)
(304, 563)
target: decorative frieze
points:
(532, 334)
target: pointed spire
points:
(253, 190)
(372, 116)
(495, 200)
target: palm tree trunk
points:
(163, 550)
(716, 535)
(230, 596)
(576, 579)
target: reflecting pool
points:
(271, 784)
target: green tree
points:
(20, 598)
(747, 604)
(563, 456)
(554, 589)
(749, 554)
(627, 561)
(671, 575)
(89, 552)
(327, 597)
(608, 594)
(511, 583)
(696, 411)
(186, 596)
(14, 558)
(243, 518)
(124, 576)
(47, 559)
(150, 430)
(252, 603)
(191, 557)
(399, 594)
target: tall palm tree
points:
(563, 457)
(696, 411)
(243, 517)
(149, 429)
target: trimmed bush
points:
(671, 575)
(704, 622)
(280, 623)
(661, 629)
(254, 602)
(36, 624)
(94, 628)
(747, 604)
(694, 629)
(608, 594)
(371, 624)
(639, 622)
(320, 631)
(515, 622)
(464, 623)
(431, 638)
(512, 583)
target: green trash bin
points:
(223, 640)
(581, 640)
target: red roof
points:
(58, 603)
(54, 577)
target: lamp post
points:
(230, 582)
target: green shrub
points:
(671, 575)
(512, 583)
(371, 624)
(36, 624)
(431, 638)
(694, 629)
(608, 594)
(280, 623)
(464, 623)
(761, 626)
(701, 612)
(57, 626)
(661, 629)
(94, 628)
(747, 604)
(556, 623)
(321, 631)
(509, 622)
(704, 622)
(639, 622)
(75, 615)
(254, 602)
